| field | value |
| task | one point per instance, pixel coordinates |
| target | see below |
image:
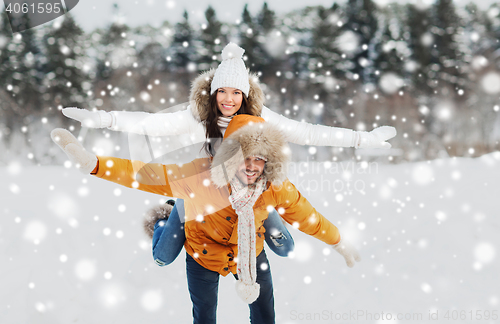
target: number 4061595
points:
(477, 315)
(40, 7)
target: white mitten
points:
(91, 119)
(376, 138)
(84, 160)
(348, 251)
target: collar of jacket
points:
(268, 184)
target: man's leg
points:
(203, 287)
(262, 310)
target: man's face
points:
(249, 171)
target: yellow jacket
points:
(211, 223)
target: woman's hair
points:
(212, 130)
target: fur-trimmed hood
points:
(251, 136)
(199, 97)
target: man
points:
(226, 203)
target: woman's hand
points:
(91, 119)
(376, 138)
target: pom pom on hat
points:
(232, 71)
(232, 51)
(249, 293)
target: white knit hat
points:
(231, 71)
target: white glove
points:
(348, 251)
(91, 119)
(84, 160)
(376, 138)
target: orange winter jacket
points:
(211, 223)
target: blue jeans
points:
(203, 287)
(169, 236)
(277, 236)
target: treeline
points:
(430, 71)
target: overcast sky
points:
(98, 13)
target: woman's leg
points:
(262, 310)
(277, 236)
(169, 236)
(203, 287)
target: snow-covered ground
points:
(72, 249)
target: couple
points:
(229, 194)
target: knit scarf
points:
(242, 200)
(223, 121)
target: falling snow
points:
(422, 174)
(348, 42)
(428, 228)
(152, 300)
(491, 83)
(85, 270)
(390, 83)
(484, 252)
(72, 246)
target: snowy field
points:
(72, 249)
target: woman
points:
(216, 96)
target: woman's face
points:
(229, 100)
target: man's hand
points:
(84, 160)
(348, 251)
